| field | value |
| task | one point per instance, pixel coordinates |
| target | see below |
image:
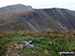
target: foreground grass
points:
(46, 43)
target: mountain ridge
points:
(31, 19)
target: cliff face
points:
(20, 17)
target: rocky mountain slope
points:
(21, 17)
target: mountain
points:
(21, 17)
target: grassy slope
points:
(60, 40)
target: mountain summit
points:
(16, 7)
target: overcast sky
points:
(69, 4)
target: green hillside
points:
(46, 43)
